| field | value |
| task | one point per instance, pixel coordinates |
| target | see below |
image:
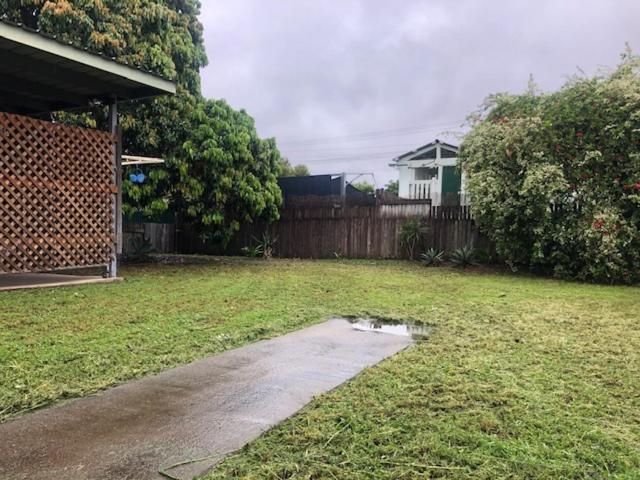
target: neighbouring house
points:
(431, 172)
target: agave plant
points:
(253, 251)
(432, 257)
(140, 250)
(464, 257)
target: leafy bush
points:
(411, 235)
(482, 256)
(432, 257)
(464, 257)
(554, 179)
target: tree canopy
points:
(226, 174)
(393, 187)
(365, 187)
(288, 170)
(554, 178)
(194, 135)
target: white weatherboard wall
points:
(406, 176)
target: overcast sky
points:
(346, 85)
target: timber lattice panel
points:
(56, 195)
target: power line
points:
(344, 159)
(375, 132)
(388, 155)
(372, 134)
(321, 148)
(359, 138)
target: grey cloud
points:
(315, 70)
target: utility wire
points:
(347, 155)
(350, 160)
(376, 132)
(327, 147)
(368, 135)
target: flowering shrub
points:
(554, 178)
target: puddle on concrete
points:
(413, 330)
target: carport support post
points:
(117, 204)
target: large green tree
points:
(226, 174)
(554, 178)
(166, 38)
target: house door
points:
(451, 182)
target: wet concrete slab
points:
(22, 281)
(206, 409)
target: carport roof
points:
(40, 74)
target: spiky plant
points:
(432, 257)
(464, 257)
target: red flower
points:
(579, 134)
(637, 186)
(598, 224)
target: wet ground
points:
(204, 410)
(413, 330)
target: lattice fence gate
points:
(56, 195)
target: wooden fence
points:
(162, 236)
(352, 231)
(57, 195)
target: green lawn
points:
(521, 378)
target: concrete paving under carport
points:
(21, 281)
(208, 408)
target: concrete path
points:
(20, 281)
(205, 409)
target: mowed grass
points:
(521, 378)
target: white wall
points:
(405, 176)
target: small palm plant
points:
(411, 234)
(432, 257)
(267, 244)
(464, 257)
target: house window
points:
(428, 155)
(445, 153)
(426, 173)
